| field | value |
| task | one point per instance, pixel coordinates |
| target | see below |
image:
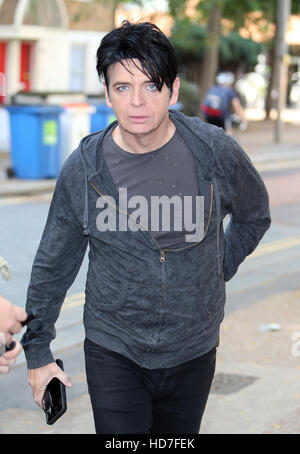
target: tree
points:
(283, 13)
(235, 53)
(211, 49)
(211, 11)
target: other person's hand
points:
(10, 319)
(8, 358)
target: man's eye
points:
(151, 87)
(122, 88)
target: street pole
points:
(283, 14)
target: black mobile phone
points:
(55, 399)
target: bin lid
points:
(83, 107)
(37, 110)
(102, 107)
(75, 104)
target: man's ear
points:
(107, 99)
(175, 92)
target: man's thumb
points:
(65, 379)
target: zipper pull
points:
(162, 257)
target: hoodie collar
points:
(193, 131)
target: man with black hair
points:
(148, 195)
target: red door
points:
(25, 66)
(2, 71)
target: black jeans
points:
(128, 399)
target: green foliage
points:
(295, 6)
(189, 94)
(176, 8)
(233, 9)
(234, 49)
(237, 10)
(188, 40)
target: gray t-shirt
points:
(168, 171)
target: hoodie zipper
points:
(162, 251)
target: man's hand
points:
(39, 378)
(8, 358)
(10, 319)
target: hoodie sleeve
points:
(244, 197)
(56, 264)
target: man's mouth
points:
(137, 118)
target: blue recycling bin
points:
(102, 117)
(35, 141)
(178, 106)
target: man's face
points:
(139, 106)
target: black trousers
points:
(128, 399)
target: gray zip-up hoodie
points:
(158, 307)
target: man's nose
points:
(137, 98)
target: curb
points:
(15, 187)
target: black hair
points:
(146, 43)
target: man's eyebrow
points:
(120, 83)
(148, 81)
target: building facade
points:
(50, 45)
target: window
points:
(78, 54)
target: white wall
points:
(53, 60)
(51, 57)
(91, 40)
(12, 69)
(51, 64)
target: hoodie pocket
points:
(109, 295)
(194, 307)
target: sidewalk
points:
(259, 141)
(15, 186)
(256, 389)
